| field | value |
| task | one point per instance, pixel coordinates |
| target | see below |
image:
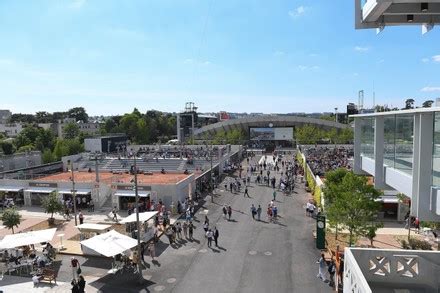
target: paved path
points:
(252, 256)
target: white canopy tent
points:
(110, 244)
(27, 238)
(93, 227)
(142, 217)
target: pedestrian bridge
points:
(266, 121)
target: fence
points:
(314, 182)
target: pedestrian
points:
(205, 227)
(206, 219)
(216, 234)
(179, 231)
(185, 229)
(332, 271)
(274, 195)
(246, 192)
(152, 250)
(91, 205)
(225, 211)
(269, 213)
(143, 248)
(191, 228)
(115, 215)
(81, 284)
(75, 287)
(259, 213)
(81, 217)
(322, 264)
(74, 264)
(253, 211)
(210, 236)
(229, 212)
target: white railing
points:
(354, 280)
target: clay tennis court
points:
(156, 178)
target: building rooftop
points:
(124, 178)
(399, 112)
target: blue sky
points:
(239, 56)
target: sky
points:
(276, 56)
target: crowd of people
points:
(324, 159)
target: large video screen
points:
(277, 133)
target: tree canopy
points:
(11, 218)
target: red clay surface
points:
(156, 178)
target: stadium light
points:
(410, 18)
(424, 7)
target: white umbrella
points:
(142, 217)
(27, 238)
(110, 243)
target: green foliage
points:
(234, 136)
(51, 204)
(353, 205)
(70, 131)
(79, 113)
(370, 231)
(11, 218)
(48, 157)
(310, 134)
(67, 147)
(7, 147)
(26, 148)
(415, 244)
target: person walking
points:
(206, 227)
(115, 215)
(75, 287)
(332, 271)
(74, 264)
(210, 236)
(81, 284)
(253, 211)
(259, 213)
(185, 229)
(225, 211)
(152, 250)
(216, 234)
(246, 192)
(322, 264)
(229, 212)
(191, 228)
(274, 195)
(179, 231)
(81, 217)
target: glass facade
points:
(404, 136)
(389, 137)
(367, 137)
(436, 151)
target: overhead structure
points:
(110, 244)
(27, 238)
(381, 13)
(142, 217)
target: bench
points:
(48, 275)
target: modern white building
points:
(401, 149)
(381, 13)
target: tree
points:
(427, 104)
(7, 147)
(79, 113)
(409, 104)
(11, 218)
(307, 134)
(51, 204)
(70, 131)
(48, 157)
(355, 205)
(370, 232)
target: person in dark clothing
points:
(246, 192)
(75, 287)
(216, 234)
(81, 284)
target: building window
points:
(436, 151)
(367, 137)
(404, 137)
(389, 140)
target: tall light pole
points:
(137, 216)
(336, 114)
(73, 192)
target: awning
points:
(110, 244)
(142, 217)
(388, 199)
(130, 193)
(93, 227)
(10, 188)
(40, 189)
(78, 191)
(27, 238)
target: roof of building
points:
(124, 178)
(399, 112)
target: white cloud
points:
(436, 58)
(190, 61)
(430, 89)
(279, 53)
(297, 12)
(425, 60)
(361, 49)
(77, 4)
